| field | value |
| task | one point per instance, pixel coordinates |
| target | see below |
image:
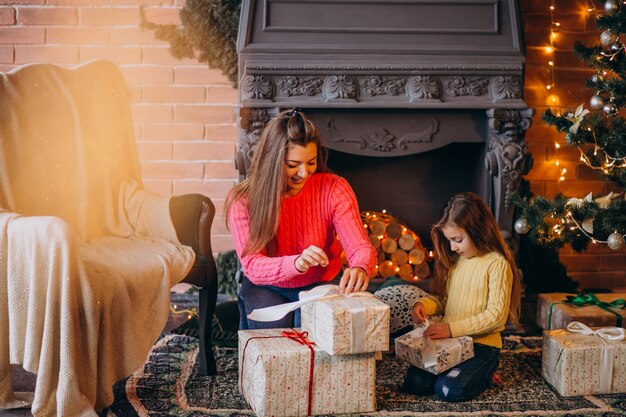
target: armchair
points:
(87, 256)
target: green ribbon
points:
(584, 299)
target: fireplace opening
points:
(414, 187)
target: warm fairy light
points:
(384, 211)
(548, 87)
(557, 145)
(365, 226)
(557, 24)
(397, 269)
(557, 162)
(551, 7)
(551, 63)
(549, 49)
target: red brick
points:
(50, 16)
(109, 16)
(574, 188)
(161, 187)
(580, 262)
(199, 113)
(130, 55)
(6, 54)
(22, 36)
(199, 74)
(134, 94)
(7, 16)
(599, 279)
(161, 55)
(152, 112)
(615, 262)
(538, 187)
(154, 151)
(219, 225)
(173, 94)
(78, 2)
(7, 68)
(172, 131)
(221, 243)
(25, 54)
(146, 74)
(221, 132)
(172, 170)
(548, 170)
(134, 36)
(204, 151)
(142, 2)
(222, 94)
(213, 189)
(163, 15)
(77, 36)
(220, 206)
(220, 170)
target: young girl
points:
(479, 287)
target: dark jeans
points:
(461, 383)
(252, 296)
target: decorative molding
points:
(294, 86)
(424, 87)
(252, 123)
(424, 136)
(375, 85)
(504, 87)
(336, 136)
(258, 87)
(466, 86)
(340, 87)
(280, 67)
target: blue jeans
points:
(461, 383)
(252, 296)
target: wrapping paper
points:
(563, 314)
(340, 324)
(275, 374)
(576, 363)
(434, 356)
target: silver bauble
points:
(610, 109)
(597, 78)
(569, 138)
(596, 102)
(607, 38)
(521, 226)
(615, 241)
(611, 6)
(616, 47)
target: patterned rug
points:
(168, 386)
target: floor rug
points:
(168, 386)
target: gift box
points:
(341, 324)
(434, 356)
(282, 373)
(583, 364)
(557, 310)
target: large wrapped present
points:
(557, 310)
(434, 356)
(282, 373)
(342, 324)
(584, 361)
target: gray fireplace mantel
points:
(391, 78)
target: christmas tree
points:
(600, 135)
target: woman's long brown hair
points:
(469, 212)
(266, 183)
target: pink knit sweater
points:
(324, 206)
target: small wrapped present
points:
(434, 356)
(342, 324)
(583, 361)
(282, 373)
(557, 310)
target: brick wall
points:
(599, 267)
(183, 111)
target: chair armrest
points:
(192, 216)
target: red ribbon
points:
(296, 336)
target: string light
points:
(190, 313)
(550, 85)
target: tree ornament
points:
(521, 226)
(616, 47)
(608, 38)
(597, 78)
(610, 109)
(615, 241)
(596, 102)
(611, 6)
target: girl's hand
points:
(418, 314)
(311, 256)
(353, 280)
(438, 331)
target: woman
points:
(285, 217)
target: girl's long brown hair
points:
(469, 212)
(266, 184)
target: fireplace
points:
(416, 99)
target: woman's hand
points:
(438, 331)
(353, 280)
(418, 314)
(311, 256)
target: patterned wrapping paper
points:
(275, 377)
(571, 363)
(448, 352)
(563, 314)
(348, 324)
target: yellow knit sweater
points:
(479, 295)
